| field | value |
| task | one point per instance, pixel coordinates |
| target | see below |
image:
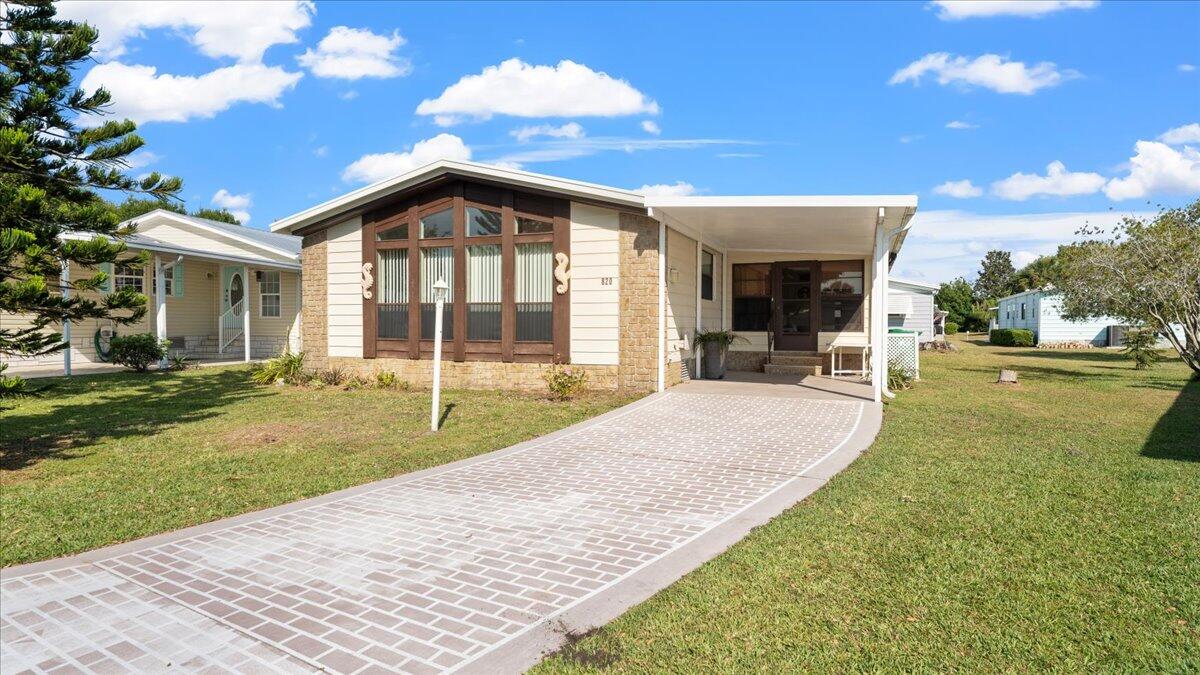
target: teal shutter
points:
(177, 280)
(107, 286)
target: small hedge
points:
(137, 352)
(1012, 337)
(951, 328)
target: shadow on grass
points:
(88, 409)
(1176, 435)
(1095, 354)
(445, 414)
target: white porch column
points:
(246, 312)
(699, 299)
(160, 304)
(662, 305)
(64, 278)
(879, 309)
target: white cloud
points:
(1188, 133)
(738, 155)
(376, 167)
(651, 127)
(349, 95)
(142, 158)
(959, 124)
(1058, 182)
(944, 244)
(353, 53)
(142, 95)
(1157, 168)
(990, 71)
(909, 138)
(959, 189)
(558, 150)
(519, 89)
(235, 204)
(1023, 258)
(242, 30)
(1186, 68)
(568, 130)
(321, 151)
(678, 189)
(953, 10)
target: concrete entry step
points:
(789, 360)
(798, 370)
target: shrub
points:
(564, 383)
(386, 379)
(1140, 346)
(287, 367)
(178, 362)
(1012, 337)
(332, 376)
(136, 352)
(951, 328)
(899, 378)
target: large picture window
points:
(496, 250)
(752, 297)
(842, 295)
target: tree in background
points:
(50, 169)
(1145, 272)
(957, 299)
(1037, 275)
(997, 276)
(221, 215)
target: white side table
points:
(843, 343)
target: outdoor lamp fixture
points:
(440, 289)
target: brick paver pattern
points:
(427, 574)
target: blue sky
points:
(1014, 123)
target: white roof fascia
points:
(160, 247)
(356, 198)
(786, 201)
(180, 218)
(915, 284)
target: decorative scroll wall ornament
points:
(561, 273)
(367, 279)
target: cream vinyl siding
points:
(195, 313)
(758, 339)
(595, 304)
(681, 294)
(273, 326)
(710, 310)
(344, 288)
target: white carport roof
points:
(825, 224)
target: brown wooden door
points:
(796, 305)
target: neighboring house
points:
(911, 307)
(1039, 311)
(210, 270)
(544, 269)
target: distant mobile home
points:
(911, 307)
(1040, 312)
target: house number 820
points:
(606, 281)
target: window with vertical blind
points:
(494, 247)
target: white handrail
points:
(230, 325)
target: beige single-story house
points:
(216, 291)
(544, 269)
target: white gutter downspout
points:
(662, 305)
(879, 286)
(160, 296)
(65, 280)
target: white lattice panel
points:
(902, 350)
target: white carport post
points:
(879, 272)
(246, 312)
(662, 305)
(64, 278)
(160, 305)
(695, 349)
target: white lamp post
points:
(439, 301)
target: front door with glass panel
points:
(233, 287)
(796, 308)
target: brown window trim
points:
(507, 349)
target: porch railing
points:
(231, 325)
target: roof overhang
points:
(142, 242)
(818, 224)
(160, 215)
(354, 202)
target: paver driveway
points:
(438, 570)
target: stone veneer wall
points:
(639, 308)
(472, 374)
(314, 315)
(753, 361)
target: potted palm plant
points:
(715, 344)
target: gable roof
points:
(278, 244)
(916, 285)
(359, 198)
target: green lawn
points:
(109, 458)
(1050, 526)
